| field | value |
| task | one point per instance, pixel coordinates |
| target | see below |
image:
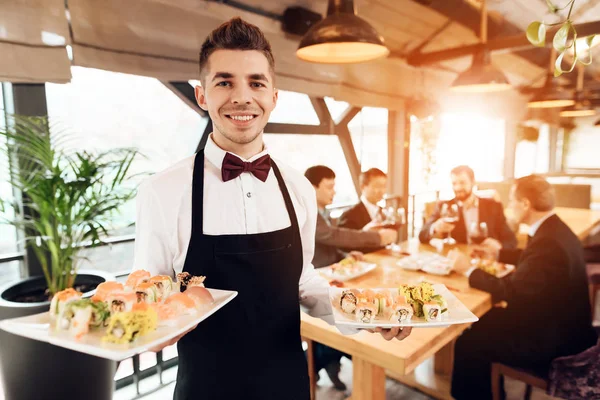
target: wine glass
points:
(395, 218)
(449, 214)
(478, 232)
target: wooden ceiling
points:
(161, 38)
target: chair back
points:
(577, 376)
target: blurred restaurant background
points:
(121, 74)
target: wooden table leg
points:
(310, 352)
(368, 380)
(444, 359)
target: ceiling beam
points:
(504, 43)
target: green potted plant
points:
(70, 198)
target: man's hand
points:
(489, 249)
(387, 236)
(372, 226)
(357, 255)
(176, 339)
(459, 261)
(441, 228)
(396, 332)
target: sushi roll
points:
(401, 311)
(164, 286)
(125, 327)
(99, 313)
(383, 301)
(146, 292)
(182, 304)
(120, 301)
(185, 279)
(349, 300)
(60, 300)
(106, 288)
(200, 295)
(432, 311)
(137, 277)
(365, 312)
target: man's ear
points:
(200, 97)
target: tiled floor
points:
(325, 390)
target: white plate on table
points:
(361, 269)
(457, 312)
(503, 269)
(426, 261)
(37, 327)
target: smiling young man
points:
(247, 223)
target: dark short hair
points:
(464, 169)
(317, 173)
(235, 34)
(367, 176)
(537, 190)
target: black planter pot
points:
(33, 370)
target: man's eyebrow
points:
(222, 75)
(258, 77)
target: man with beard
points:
(471, 210)
(548, 309)
(247, 223)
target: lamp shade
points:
(341, 38)
(481, 77)
(550, 96)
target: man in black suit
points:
(471, 209)
(329, 240)
(548, 312)
(373, 184)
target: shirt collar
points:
(471, 202)
(373, 209)
(214, 154)
(536, 225)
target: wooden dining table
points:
(424, 359)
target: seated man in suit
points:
(373, 184)
(328, 241)
(548, 312)
(471, 210)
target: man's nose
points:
(241, 94)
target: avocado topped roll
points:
(98, 313)
(349, 300)
(383, 301)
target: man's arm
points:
(533, 274)
(426, 233)
(344, 237)
(152, 248)
(510, 256)
(506, 235)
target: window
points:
(105, 110)
(369, 131)
(294, 108)
(8, 234)
(533, 157)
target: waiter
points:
(247, 223)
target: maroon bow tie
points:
(233, 167)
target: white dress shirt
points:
(244, 205)
(536, 225)
(372, 209)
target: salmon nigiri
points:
(167, 315)
(182, 303)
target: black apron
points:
(251, 348)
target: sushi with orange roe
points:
(106, 288)
(182, 304)
(60, 300)
(120, 301)
(146, 292)
(137, 277)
